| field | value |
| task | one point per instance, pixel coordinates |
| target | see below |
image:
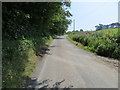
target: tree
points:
(99, 27)
(81, 29)
(31, 19)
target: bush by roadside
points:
(100, 43)
(19, 60)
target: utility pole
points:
(73, 24)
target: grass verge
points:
(19, 60)
(78, 44)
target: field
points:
(104, 42)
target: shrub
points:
(18, 61)
(103, 44)
(116, 53)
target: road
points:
(68, 66)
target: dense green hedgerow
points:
(102, 43)
(26, 26)
(19, 60)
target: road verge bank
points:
(19, 60)
(113, 62)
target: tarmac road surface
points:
(67, 66)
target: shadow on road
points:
(58, 38)
(45, 84)
(53, 46)
(43, 50)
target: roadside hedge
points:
(100, 43)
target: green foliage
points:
(26, 27)
(19, 60)
(24, 20)
(16, 56)
(105, 43)
(116, 53)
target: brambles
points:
(105, 43)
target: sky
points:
(88, 14)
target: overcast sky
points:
(89, 14)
